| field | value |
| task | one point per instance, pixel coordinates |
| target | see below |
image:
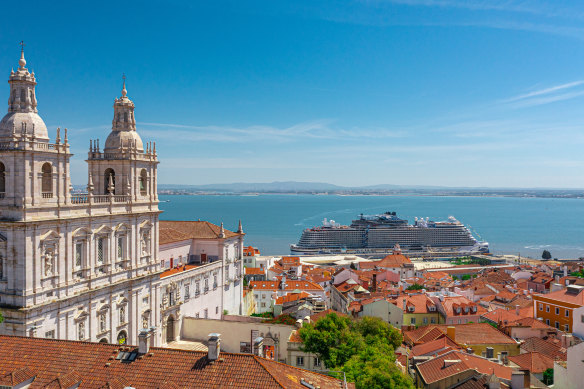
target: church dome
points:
(118, 139)
(16, 121)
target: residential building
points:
(556, 308)
(482, 338)
(302, 359)
(418, 310)
(459, 310)
(569, 374)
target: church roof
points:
(175, 231)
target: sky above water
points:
(429, 92)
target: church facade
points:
(78, 266)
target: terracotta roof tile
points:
(175, 231)
(254, 271)
(162, 368)
(439, 346)
(539, 345)
(535, 362)
(264, 285)
(435, 370)
(470, 333)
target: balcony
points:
(47, 195)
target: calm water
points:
(510, 225)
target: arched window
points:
(47, 180)
(143, 182)
(109, 172)
(122, 337)
(126, 117)
(2, 179)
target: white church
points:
(89, 266)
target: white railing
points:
(79, 198)
(47, 195)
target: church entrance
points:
(170, 330)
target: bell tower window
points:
(108, 175)
(47, 180)
(143, 182)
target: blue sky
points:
(430, 92)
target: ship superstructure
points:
(378, 233)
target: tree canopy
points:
(363, 349)
(415, 287)
(546, 255)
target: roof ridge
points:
(258, 360)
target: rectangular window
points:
(197, 288)
(120, 248)
(100, 250)
(425, 320)
(50, 334)
(547, 308)
(547, 321)
(214, 281)
(557, 311)
(216, 310)
(433, 320)
(567, 313)
(187, 292)
(413, 320)
(566, 327)
(263, 305)
(558, 325)
(206, 285)
(78, 254)
(197, 315)
(316, 362)
(582, 318)
(206, 313)
(299, 361)
(541, 307)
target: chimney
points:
(214, 346)
(517, 309)
(565, 271)
(557, 279)
(451, 332)
(490, 353)
(144, 341)
(374, 286)
(404, 305)
(494, 382)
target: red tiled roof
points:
(174, 231)
(441, 346)
(264, 285)
(469, 334)
(530, 322)
(291, 297)
(434, 370)
(302, 285)
(564, 295)
(390, 261)
(16, 376)
(162, 368)
(451, 304)
(294, 337)
(539, 345)
(535, 362)
(254, 271)
(420, 302)
(502, 315)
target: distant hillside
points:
(277, 186)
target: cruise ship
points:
(382, 233)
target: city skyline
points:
(437, 93)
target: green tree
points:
(546, 255)
(548, 377)
(415, 287)
(363, 349)
(1, 317)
